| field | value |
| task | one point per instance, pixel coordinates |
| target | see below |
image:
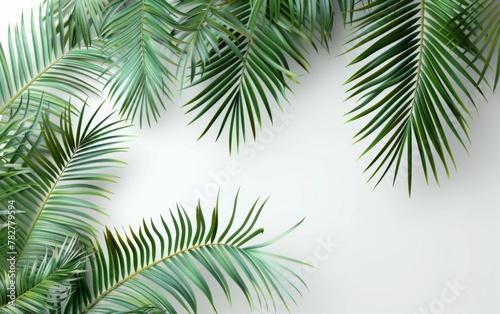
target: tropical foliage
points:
(246, 65)
(420, 62)
(157, 269)
(46, 65)
(44, 285)
(64, 165)
(56, 159)
(420, 66)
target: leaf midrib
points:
(48, 195)
(143, 36)
(31, 82)
(209, 6)
(420, 57)
(197, 29)
(147, 267)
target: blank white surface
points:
(392, 254)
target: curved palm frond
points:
(137, 39)
(163, 265)
(43, 285)
(65, 164)
(39, 58)
(241, 81)
(413, 86)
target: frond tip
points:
(166, 264)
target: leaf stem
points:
(420, 53)
(28, 85)
(143, 269)
(47, 196)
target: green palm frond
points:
(65, 165)
(477, 27)
(42, 286)
(39, 59)
(412, 85)
(164, 264)
(139, 44)
(242, 81)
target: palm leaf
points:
(163, 264)
(242, 77)
(42, 286)
(39, 59)
(137, 36)
(412, 85)
(39, 66)
(66, 164)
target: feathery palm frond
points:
(42, 286)
(39, 59)
(136, 37)
(413, 87)
(65, 164)
(241, 80)
(163, 262)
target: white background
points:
(391, 254)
